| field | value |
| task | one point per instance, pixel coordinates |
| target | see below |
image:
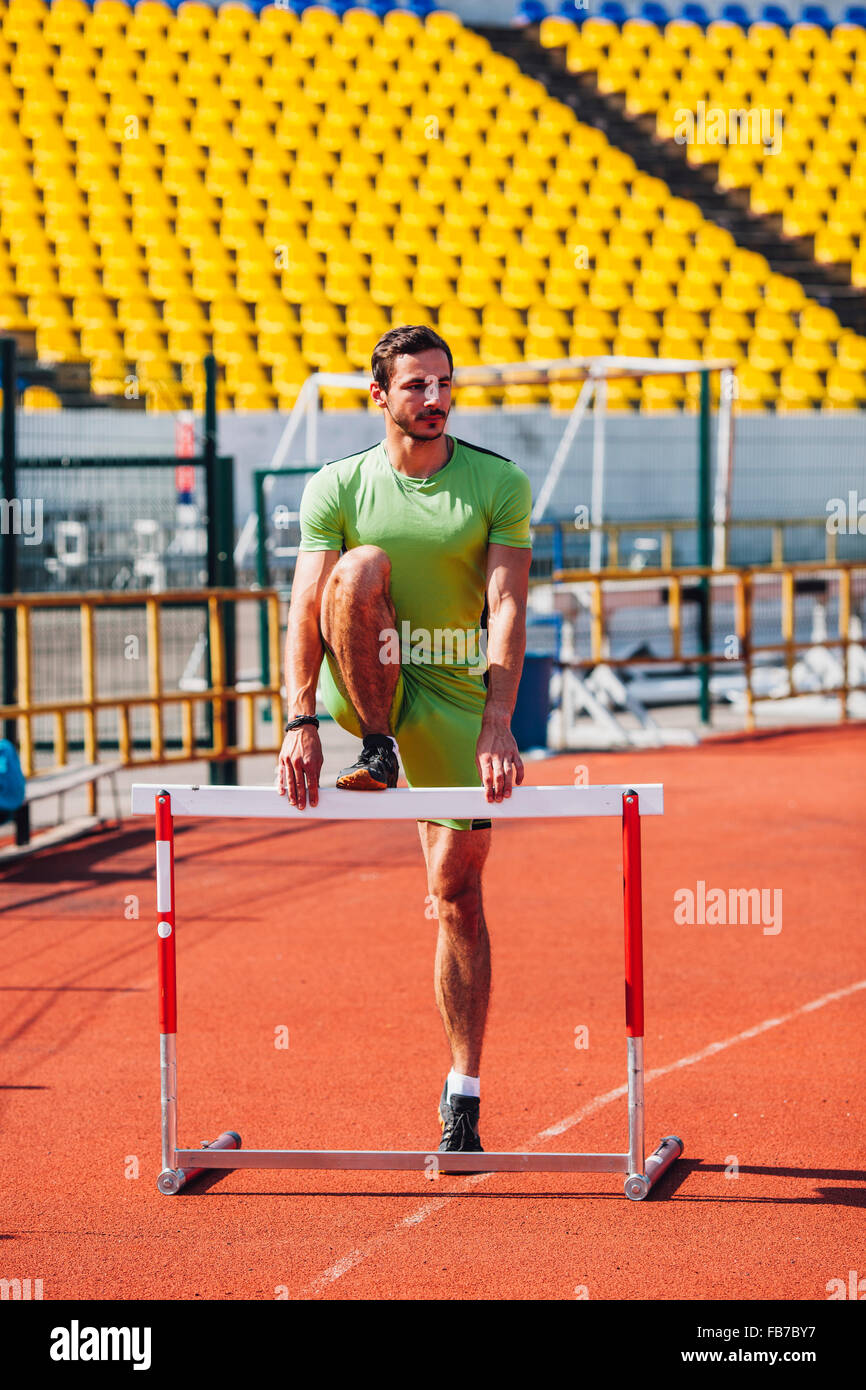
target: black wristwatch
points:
(301, 720)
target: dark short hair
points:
(412, 339)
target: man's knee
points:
(364, 570)
(457, 893)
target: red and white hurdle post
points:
(642, 1176)
(172, 1178)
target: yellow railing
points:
(218, 695)
(614, 531)
(670, 584)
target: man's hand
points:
(497, 757)
(300, 764)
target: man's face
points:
(418, 398)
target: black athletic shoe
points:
(459, 1120)
(376, 769)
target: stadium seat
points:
(851, 352)
(695, 14)
(799, 389)
(528, 12)
(776, 15)
(736, 14)
(654, 13)
(612, 10)
(846, 388)
(816, 14)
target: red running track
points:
(753, 1050)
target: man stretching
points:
(428, 527)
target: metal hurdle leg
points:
(642, 1174)
(180, 1166)
(173, 1177)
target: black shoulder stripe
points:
(476, 448)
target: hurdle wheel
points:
(169, 1182)
(637, 1187)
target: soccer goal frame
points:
(181, 1165)
(593, 373)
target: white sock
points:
(460, 1085)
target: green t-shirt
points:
(435, 531)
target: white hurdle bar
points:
(630, 802)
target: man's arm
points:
(507, 591)
(301, 754)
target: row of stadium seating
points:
(797, 136)
(280, 189)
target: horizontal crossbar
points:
(373, 1159)
(402, 803)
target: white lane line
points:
(355, 1257)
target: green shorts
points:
(435, 718)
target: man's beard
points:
(408, 425)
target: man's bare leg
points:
(455, 859)
(356, 611)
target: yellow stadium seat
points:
(608, 291)
(819, 323)
(806, 217)
(719, 347)
(755, 389)
(767, 197)
(729, 325)
(622, 393)
(562, 290)
(556, 33)
(521, 286)
(812, 354)
(499, 349)
(783, 293)
(682, 35)
(846, 388)
(740, 292)
(652, 291)
(768, 355)
(662, 393)
(593, 321)
(808, 39)
(39, 398)
(696, 293)
(680, 215)
(851, 352)
(799, 389)
(681, 323)
(633, 345)
(55, 343)
(832, 246)
(768, 38)
(707, 265)
(588, 344)
(679, 346)
(775, 325)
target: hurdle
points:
(181, 1166)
